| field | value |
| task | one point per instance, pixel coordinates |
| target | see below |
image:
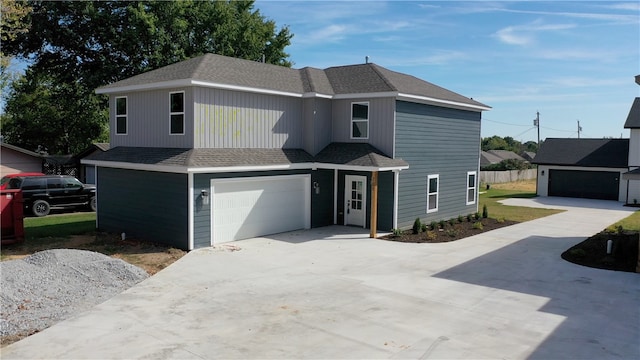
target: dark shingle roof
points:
(352, 79)
(613, 153)
(362, 155)
(633, 120)
(487, 158)
(506, 154)
(183, 157)
(356, 154)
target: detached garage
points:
(583, 168)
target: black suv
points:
(40, 193)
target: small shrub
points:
(442, 224)
(578, 252)
(396, 232)
(478, 225)
(434, 225)
(635, 201)
(452, 222)
(451, 233)
(476, 215)
(431, 235)
(460, 218)
(469, 217)
(485, 212)
(424, 227)
(500, 220)
(619, 229)
(417, 226)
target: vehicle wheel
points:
(40, 208)
(93, 204)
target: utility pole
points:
(536, 123)
(579, 128)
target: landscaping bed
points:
(593, 251)
(449, 230)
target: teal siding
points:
(322, 202)
(435, 140)
(145, 205)
(202, 213)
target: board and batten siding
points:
(149, 121)
(381, 116)
(234, 119)
(317, 124)
(144, 204)
(435, 140)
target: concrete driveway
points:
(314, 294)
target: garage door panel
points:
(248, 208)
(603, 185)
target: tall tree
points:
(13, 16)
(86, 44)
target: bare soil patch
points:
(450, 231)
(152, 257)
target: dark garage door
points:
(584, 184)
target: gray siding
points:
(145, 205)
(202, 213)
(317, 124)
(435, 140)
(149, 121)
(233, 119)
(381, 118)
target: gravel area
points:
(53, 285)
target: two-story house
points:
(216, 149)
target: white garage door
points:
(250, 207)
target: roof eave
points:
(444, 103)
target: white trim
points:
(243, 88)
(190, 210)
(223, 169)
(359, 121)
(442, 102)
(437, 192)
(126, 115)
(335, 196)
(475, 187)
(171, 113)
(347, 186)
(365, 95)
(316, 95)
(396, 182)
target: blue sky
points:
(569, 60)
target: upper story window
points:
(360, 120)
(177, 113)
(121, 115)
(471, 187)
(433, 185)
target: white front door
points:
(355, 200)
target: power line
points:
(503, 123)
(569, 131)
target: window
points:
(54, 183)
(360, 120)
(177, 113)
(72, 183)
(121, 115)
(432, 193)
(471, 187)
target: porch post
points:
(374, 204)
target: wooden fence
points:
(498, 177)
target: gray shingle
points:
(356, 154)
(584, 152)
(633, 120)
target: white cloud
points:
(631, 6)
(524, 34)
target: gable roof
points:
(633, 120)
(20, 150)
(335, 155)
(487, 158)
(506, 154)
(611, 153)
(211, 70)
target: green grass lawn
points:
(515, 213)
(630, 223)
(59, 226)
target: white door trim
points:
(347, 190)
